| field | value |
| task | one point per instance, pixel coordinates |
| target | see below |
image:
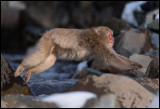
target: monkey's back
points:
(68, 43)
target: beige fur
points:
(77, 44)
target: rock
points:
(153, 68)
(42, 86)
(152, 53)
(105, 101)
(154, 25)
(143, 60)
(87, 71)
(132, 41)
(150, 84)
(150, 17)
(134, 12)
(155, 40)
(139, 17)
(24, 101)
(9, 84)
(122, 25)
(3, 104)
(128, 92)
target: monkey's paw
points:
(27, 77)
(136, 66)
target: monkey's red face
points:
(110, 38)
(109, 35)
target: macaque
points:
(77, 44)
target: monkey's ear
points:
(97, 30)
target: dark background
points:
(22, 25)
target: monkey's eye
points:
(109, 35)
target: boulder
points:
(128, 92)
(152, 20)
(155, 40)
(150, 84)
(9, 84)
(24, 101)
(143, 60)
(105, 101)
(133, 41)
(154, 25)
(153, 68)
(42, 86)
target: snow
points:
(155, 102)
(157, 16)
(75, 99)
(81, 66)
(128, 10)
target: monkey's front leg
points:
(49, 62)
(127, 61)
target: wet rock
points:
(24, 101)
(9, 84)
(122, 25)
(133, 41)
(155, 40)
(153, 68)
(42, 86)
(128, 92)
(143, 60)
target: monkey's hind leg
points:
(49, 62)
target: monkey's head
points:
(106, 34)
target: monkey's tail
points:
(41, 51)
